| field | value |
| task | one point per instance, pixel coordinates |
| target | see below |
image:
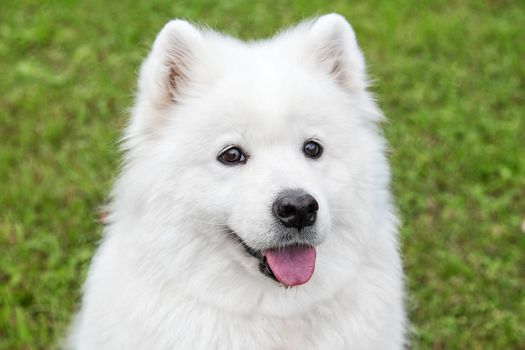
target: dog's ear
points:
(336, 50)
(167, 70)
(165, 74)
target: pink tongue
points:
(292, 266)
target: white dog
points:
(253, 209)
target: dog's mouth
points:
(291, 265)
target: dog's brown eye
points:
(312, 149)
(231, 156)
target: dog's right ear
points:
(165, 74)
(166, 71)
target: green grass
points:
(450, 75)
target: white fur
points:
(168, 276)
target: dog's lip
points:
(264, 267)
(253, 252)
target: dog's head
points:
(262, 157)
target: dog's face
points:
(267, 151)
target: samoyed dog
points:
(253, 209)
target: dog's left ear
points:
(336, 50)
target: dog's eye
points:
(232, 155)
(312, 149)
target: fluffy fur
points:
(168, 273)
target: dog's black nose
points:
(296, 209)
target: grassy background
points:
(450, 76)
